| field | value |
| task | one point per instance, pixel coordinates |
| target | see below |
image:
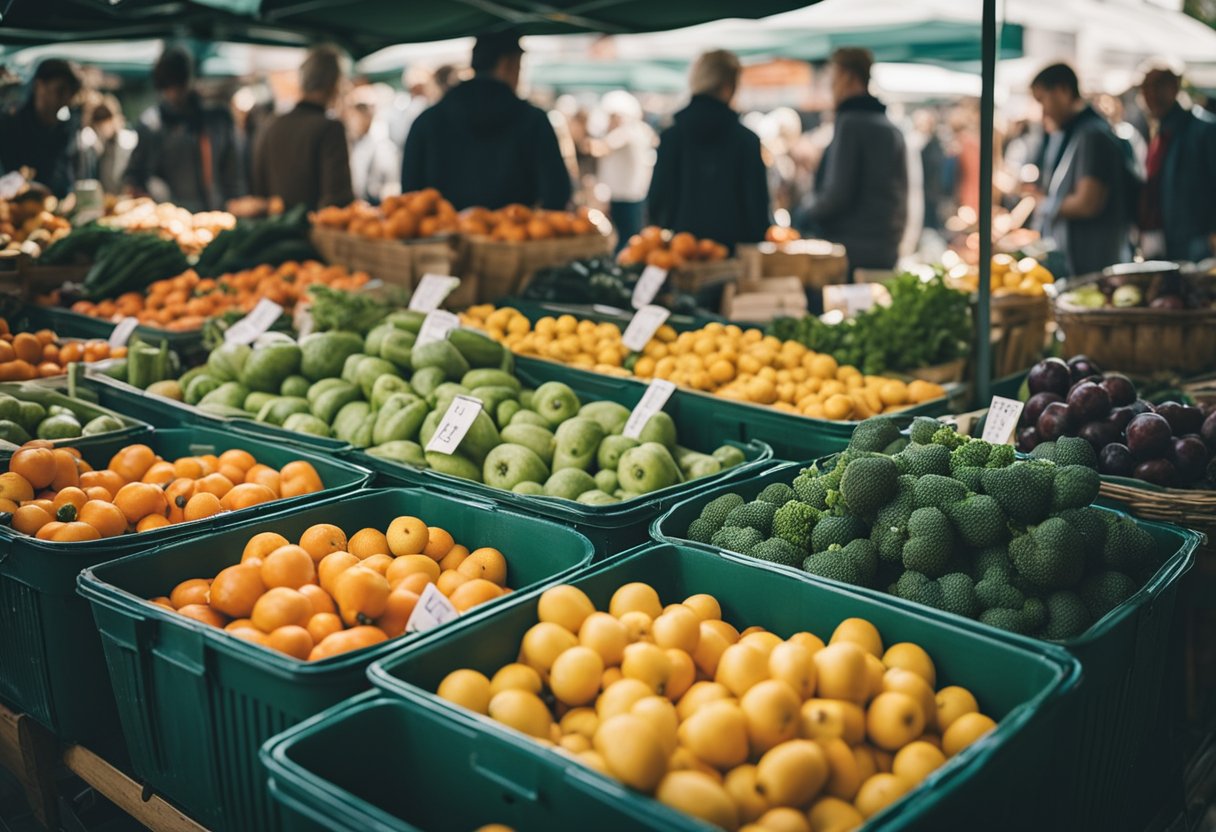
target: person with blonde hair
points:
(709, 177)
(302, 156)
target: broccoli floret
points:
(1067, 616)
(1051, 555)
(737, 539)
(838, 530)
(868, 484)
(979, 521)
(948, 438)
(776, 550)
(922, 430)
(969, 476)
(1073, 450)
(854, 563)
(715, 510)
(1025, 619)
(974, 453)
(1074, 486)
(754, 515)
(793, 523)
(1092, 523)
(896, 446)
(1044, 450)
(1001, 456)
(811, 489)
(952, 593)
(990, 557)
(994, 591)
(701, 531)
(778, 494)
(930, 542)
(919, 460)
(1103, 591)
(1129, 548)
(1023, 490)
(874, 434)
(938, 491)
(890, 529)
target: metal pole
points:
(983, 322)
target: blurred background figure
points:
(105, 142)
(1178, 203)
(301, 156)
(419, 92)
(709, 176)
(1134, 147)
(39, 134)
(625, 159)
(374, 160)
(925, 139)
(187, 152)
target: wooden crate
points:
(693, 277)
(396, 262)
(763, 300)
(817, 263)
(493, 269)
(1019, 332)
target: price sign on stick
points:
(431, 291)
(648, 285)
(454, 425)
(642, 327)
(433, 608)
(436, 326)
(122, 332)
(657, 393)
(1002, 421)
(248, 328)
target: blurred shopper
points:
(1089, 182)
(483, 145)
(187, 152)
(860, 195)
(709, 177)
(420, 92)
(374, 160)
(301, 156)
(1178, 203)
(932, 160)
(964, 126)
(626, 160)
(105, 142)
(34, 136)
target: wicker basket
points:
(396, 262)
(1019, 331)
(497, 269)
(817, 263)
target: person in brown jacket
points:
(301, 156)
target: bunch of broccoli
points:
(955, 523)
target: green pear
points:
(489, 378)
(646, 468)
(441, 397)
(530, 417)
(491, 397)
(578, 439)
(505, 412)
(454, 465)
(729, 456)
(595, 497)
(660, 428)
(555, 401)
(568, 483)
(705, 467)
(425, 381)
(609, 454)
(606, 480)
(538, 439)
(525, 398)
(529, 489)
(509, 464)
(611, 416)
(481, 438)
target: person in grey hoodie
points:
(860, 195)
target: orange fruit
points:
(107, 518)
(323, 539)
(35, 465)
(323, 624)
(132, 462)
(245, 495)
(485, 563)
(288, 566)
(192, 591)
(216, 484)
(353, 639)
(264, 475)
(236, 590)
(401, 604)
(455, 556)
(29, 519)
(474, 592)
(201, 505)
(203, 613)
(368, 542)
(333, 565)
(407, 565)
(407, 536)
(280, 607)
(298, 478)
(321, 600)
(439, 543)
(73, 532)
(293, 640)
(67, 473)
(361, 595)
(262, 544)
(137, 500)
(238, 458)
(159, 474)
(151, 522)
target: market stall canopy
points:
(136, 57)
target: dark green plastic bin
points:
(69, 324)
(54, 391)
(1021, 684)
(51, 664)
(196, 703)
(1114, 720)
(617, 526)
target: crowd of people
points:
(1108, 177)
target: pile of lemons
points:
(1009, 276)
(741, 729)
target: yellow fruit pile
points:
(1009, 277)
(583, 344)
(732, 727)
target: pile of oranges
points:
(781, 234)
(1009, 276)
(54, 494)
(30, 355)
(518, 223)
(414, 215)
(327, 594)
(734, 728)
(655, 246)
(185, 302)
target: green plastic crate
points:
(69, 324)
(54, 391)
(51, 664)
(1114, 719)
(613, 527)
(1021, 684)
(196, 703)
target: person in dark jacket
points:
(709, 177)
(482, 145)
(860, 194)
(301, 156)
(33, 135)
(187, 152)
(1178, 202)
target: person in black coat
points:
(33, 136)
(709, 177)
(481, 145)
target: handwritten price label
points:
(648, 285)
(431, 291)
(642, 327)
(248, 328)
(653, 400)
(436, 326)
(1002, 421)
(432, 610)
(454, 425)
(122, 333)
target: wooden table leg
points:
(29, 751)
(154, 812)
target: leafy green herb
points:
(350, 311)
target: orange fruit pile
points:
(30, 355)
(53, 494)
(518, 223)
(327, 594)
(655, 246)
(781, 234)
(414, 215)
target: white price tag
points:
(301, 319)
(436, 326)
(657, 393)
(849, 298)
(642, 327)
(454, 424)
(11, 184)
(1002, 421)
(260, 319)
(648, 285)
(431, 291)
(122, 333)
(433, 608)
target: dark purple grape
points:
(1099, 434)
(1190, 458)
(1208, 431)
(1120, 389)
(1034, 406)
(1088, 402)
(1116, 460)
(1157, 471)
(1148, 436)
(1050, 375)
(1119, 417)
(1080, 366)
(1053, 422)
(1141, 406)
(1182, 418)
(1028, 438)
